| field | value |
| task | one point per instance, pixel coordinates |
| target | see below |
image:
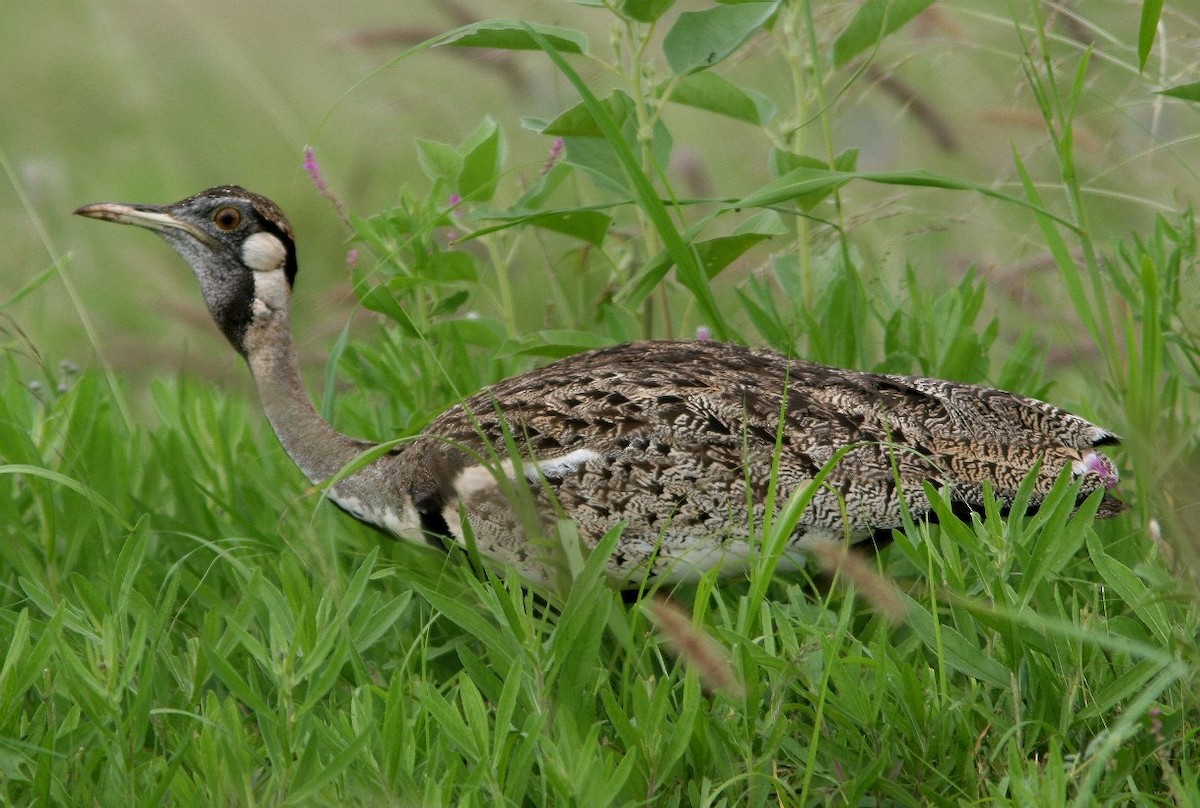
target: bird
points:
(680, 445)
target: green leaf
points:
(578, 121)
(1185, 92)
(700, 39)
(329, 770)
(715, 93)
(796, 184)
(588, 147)
(447, 720)
(1132, 590)
(873, 22)
(439, 161)
(238, 686)
(74, 485)
(379, 299)
(470, 330)
(645, 10)
(555, 343)
(783, 162)
(953, 647)
(451, 266)
(586, 225)
(1147, 28)
(717, 253)
(539, 193)
(514, 35)
(483, 155)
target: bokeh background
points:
(150, 102)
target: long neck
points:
(316, 447)
(370, 494)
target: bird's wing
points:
(694, 433)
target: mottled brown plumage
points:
(682, 438)
(677, 441)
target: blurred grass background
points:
(140, 102)
(129, 101)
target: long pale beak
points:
(151, 217)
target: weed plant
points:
(187, 623)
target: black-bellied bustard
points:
(678, 441)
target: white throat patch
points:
(263, 252)
(271, 289)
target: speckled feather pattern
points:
(681, 439)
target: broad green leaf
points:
(379, 299)
(588, 148)
(783, 162)
(1185, 92)
(514, 35)
(483, 154)
(715, 93)
(958, 652)
(700, 39)
(578, 121)
(546, 184)
(717, 253)
(874, 21)
(439, 161)
(645, 10)
(1147, 28)
(596, 157)
(451, 266)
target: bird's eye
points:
(227, 218)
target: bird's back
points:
(681, 441)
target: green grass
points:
(187, 622)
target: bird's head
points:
(238, 243)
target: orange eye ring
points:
(227, 218)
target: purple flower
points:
(352, 259)
(454, 201)
(703, 333)
(556, 152)
(314, 169)
(314, 173)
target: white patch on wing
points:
(263, 252)
(559, 467)
(475, 479)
